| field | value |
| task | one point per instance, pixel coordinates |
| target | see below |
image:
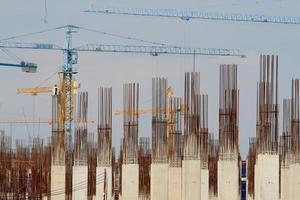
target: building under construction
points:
(180, 160)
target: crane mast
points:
(67, 93)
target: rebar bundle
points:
(104, 127)
(175, 132)
(251, 159)
(267, 106)
(228, 113)
(159, 120)
(130, 120)
(295, 129)
(58, 137)
(92, 164)
(213, 165)
(144, 167)
(191, 141)
(285, 139)
(80, 152)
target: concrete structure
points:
(100, 183)
(58, 182)
(130, 182)
(294, 193)
(191, 177)
(285, 183)
(266, 177)
(159, 181)
(80, 183)
(228, 180)
(174, 184)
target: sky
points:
(111, 69)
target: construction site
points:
(177, 156)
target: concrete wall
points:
(80, 183)
(294, 193)
(174, 184)
(191, 179)
(228, 180)
(130, 182)
(159, 181)
(58, 182)
(285, 175)
(100, 182)
(267, 177)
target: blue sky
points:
(95, 69)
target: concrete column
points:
(294, 193)
(159, 181)
(100, 182)
(285, 174)
(130, 182)
(191, 185)
(174, 183)
(204, 174)
(58, 182)
(80, 183)
(228, 180)
(267, 177)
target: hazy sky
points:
(106, 69)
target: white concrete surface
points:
(266, 177)
(130, 182)
(80, 183)
(58, 182)
(100, 182)
(204, 184)
(174, 184)
(294, 185)
(228, 180)
(159, 181)
(250, 197)
(285, 182)
(191, 185)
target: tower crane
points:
(187, 15)
(70, 57)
